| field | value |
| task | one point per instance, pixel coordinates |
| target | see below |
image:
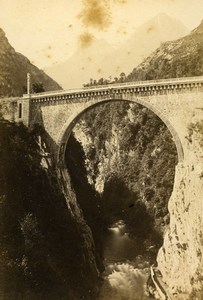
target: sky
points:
(49, 31)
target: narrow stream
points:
(126, 274)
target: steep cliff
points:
(181, 257)
(47, 250)
(13, 71)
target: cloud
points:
(96, 14)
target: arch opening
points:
(69, 125)
(115, 187)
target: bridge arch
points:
(70, 123)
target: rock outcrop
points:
(181, 257)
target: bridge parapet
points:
(139, 88)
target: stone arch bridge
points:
(177, 102)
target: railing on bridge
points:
(150, 83)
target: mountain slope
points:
(13, 69)
(101, 60)
(179, 58)
(146, 39)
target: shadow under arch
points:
(70, 123)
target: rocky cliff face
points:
(105, 162)
(13, 71)
(181, 257)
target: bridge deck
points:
(172, 82)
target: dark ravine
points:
(128, 155)
(130, 158)
(87, 197)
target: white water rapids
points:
(126, 275)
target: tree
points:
(122, 77)
(101, 81)
(38, 87)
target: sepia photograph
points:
(101, 149)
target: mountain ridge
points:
(179, 58)
(14, 67)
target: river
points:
(126, 274)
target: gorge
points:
(130, 173)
